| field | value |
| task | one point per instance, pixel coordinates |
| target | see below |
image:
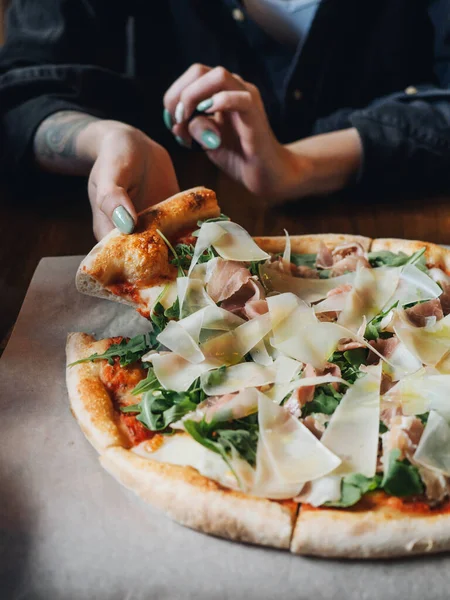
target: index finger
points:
(194, 72)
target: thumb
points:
(114, 208)
(206, 132)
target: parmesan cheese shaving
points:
(309, 290)
(428, 344)
(229, 348)
(237, 244)
(324, 489)
(372, 288)
(414, 285)
(287, 250)
(433, 450)
(352, 433)
(176, 338)
(238, 377)
(288, 453)
(422, 391)
(192, 296)
(209, 233)
(176, 373)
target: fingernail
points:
(211, 139)
(179, 112)
(167, 118)
(123, 220)
(205, 104)
(182, 142)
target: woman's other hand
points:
(236, 134)
(127, 170)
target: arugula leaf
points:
(128, 351)
(349, 363)
(215, 377)
(304, 260)
(240, 434)
(423, 417)
(181, 273)
(253, 267)
(173, 312)
(160, 407)
(159, 322)
(392, 259)
(401, 478)
(373, 326)
(245, 441)
(147, 384)
(382, 428)
(353, 487)
(184, 254)
(324, 273)
(326, 400)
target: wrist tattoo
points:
(56, 137)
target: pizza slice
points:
(135, 269)
(292, 393)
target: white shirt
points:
(287, 21)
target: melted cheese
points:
(325, 489)
(352, 433)
(181, 449)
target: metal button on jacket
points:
(238, 15)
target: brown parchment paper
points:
(68, 531)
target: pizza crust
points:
(90, 401)
(377, 533)
(141, 259)
(309, 244)
(200, 503)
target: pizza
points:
(291, 391)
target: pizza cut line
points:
(291, 391)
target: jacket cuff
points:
(19, 127)
(402, 152)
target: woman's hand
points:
(127, 170)
(236, 134)
(130, 173)
(235, 131)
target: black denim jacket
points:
(382, 66)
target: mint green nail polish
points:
(123, 220)
(167, 118)
(211, 139)
(205, 104)
(182, 142)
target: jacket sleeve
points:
(59, 55)
(406, 136)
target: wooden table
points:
(61, 225)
